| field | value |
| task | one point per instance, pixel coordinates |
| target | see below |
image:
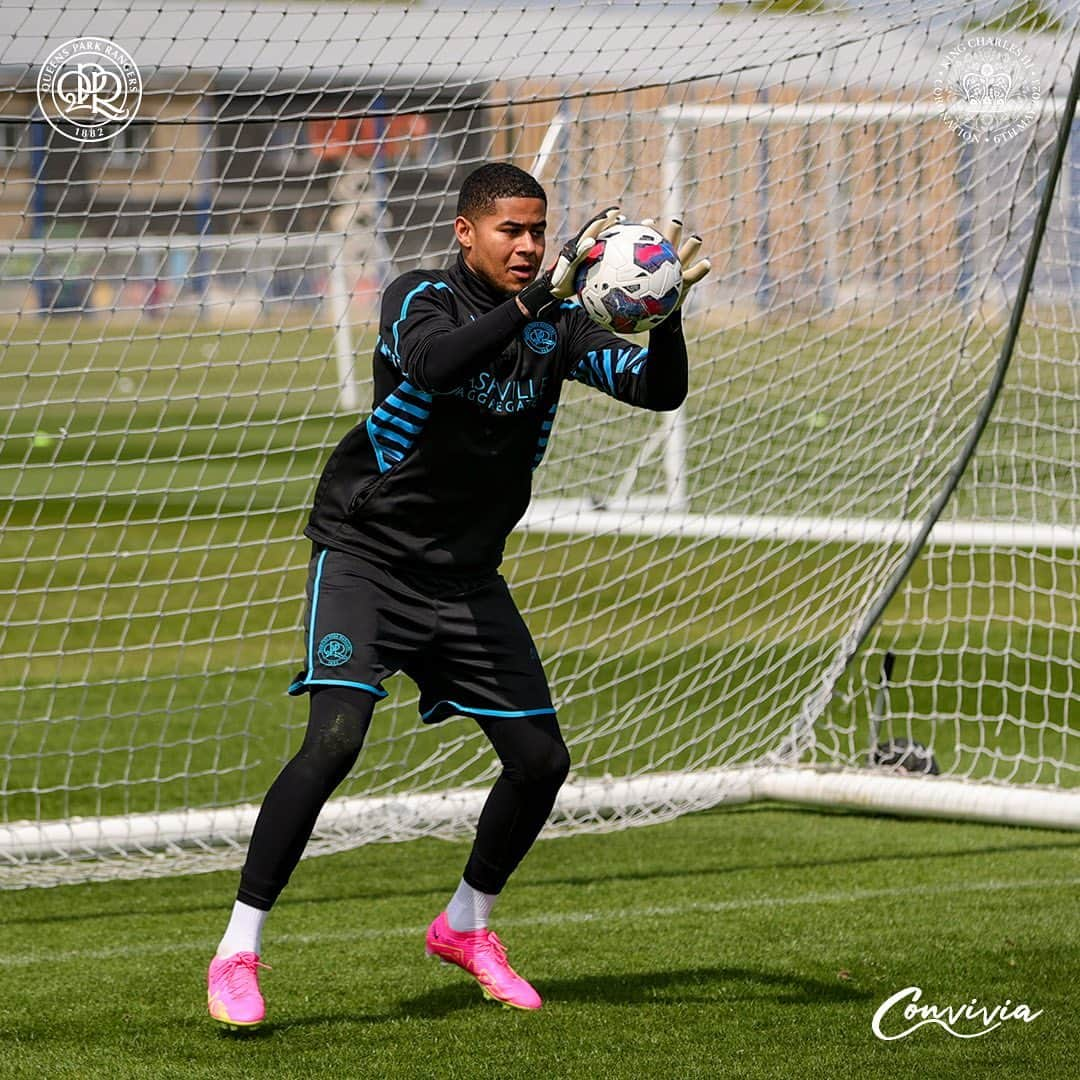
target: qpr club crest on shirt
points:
(540, 337)
(334, 650)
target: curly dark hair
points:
(496, 180)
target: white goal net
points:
(849, 559)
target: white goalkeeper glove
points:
(557, 282)
(691, 274)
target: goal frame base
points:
(597, 803)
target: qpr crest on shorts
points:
(540, 337)
(334, 650)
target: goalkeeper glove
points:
(557, 282)
(691, 275)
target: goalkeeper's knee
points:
(337, 725)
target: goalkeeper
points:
(408, 526)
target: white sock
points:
(244, 932)
(469, 908)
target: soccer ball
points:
(630, 280)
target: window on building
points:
(129, 149)
(14, 145)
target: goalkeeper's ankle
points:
(244, 932)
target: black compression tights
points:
(534, 758)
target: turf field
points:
(746, 943)
(155, 482)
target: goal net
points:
(845, 571)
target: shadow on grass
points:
(702, 986)
(688, 986)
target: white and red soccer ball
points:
(630, 280)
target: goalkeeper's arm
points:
(654, 377)
(439, 355)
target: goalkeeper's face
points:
(505, 247)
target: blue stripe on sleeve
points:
(393, 436)
(545, 432)
(631, 360)
(600, 367)
(389, 418)
(385, 428)
(607, 371)
(405, 310)
(413, 410)
(376, 445)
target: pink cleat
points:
(482, 955)
(232, 990)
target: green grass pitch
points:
(746, 943)
(155, 484)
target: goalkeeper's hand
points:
(692, 273)
(557, 282)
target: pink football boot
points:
(232, 990)
(481, 954)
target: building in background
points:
(266, 135)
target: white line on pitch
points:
(568, 918)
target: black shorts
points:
(469, 652)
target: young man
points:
(408, 526)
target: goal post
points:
(876, 457)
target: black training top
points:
(466, 390)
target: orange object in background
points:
(336, 140)
(332, 140)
